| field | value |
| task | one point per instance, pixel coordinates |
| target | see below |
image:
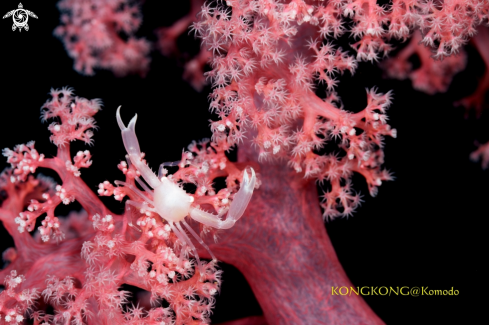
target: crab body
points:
(172, 203)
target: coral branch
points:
(433, 75)
(94, 34)
(81, 275)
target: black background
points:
(426, 228)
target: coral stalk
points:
(281, 244)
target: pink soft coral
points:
(268, 58)
(476, 100)
(100, 35)
(96, 252)
(433, 75)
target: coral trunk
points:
(282, 248)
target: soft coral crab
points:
(171, 202)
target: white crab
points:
(171, 202)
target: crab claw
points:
(129, 138)
(131, 144)
(243, 197)
(236, 210)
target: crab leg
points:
(140, 205)
(162, 171)
(236, 210)
(199, 239)
(184, 239)
(129, 220)
(135, 190)
(189, 242)
(170, 163)
(132, 147)
(145, 187)
(180, 238)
